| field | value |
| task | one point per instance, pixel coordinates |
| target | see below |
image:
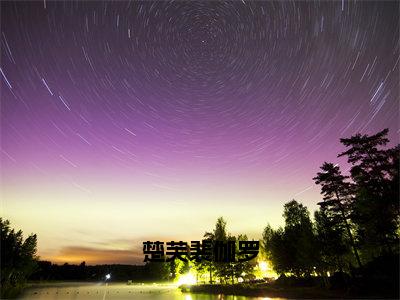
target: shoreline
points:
(274, 291)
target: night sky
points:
(128, 121)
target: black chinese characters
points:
(208, 250)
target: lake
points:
(81, 291)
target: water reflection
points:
(91, 291)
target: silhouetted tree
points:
(299, 238)
(219, 234)
(224, 271)
(337, 198)
(209, 265)
(375, 172)
(158, 270)
(242, 267)
(18, 259)
(277, 245)
(331, 242)
(267, 237)
(292, 249)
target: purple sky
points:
(125, 121)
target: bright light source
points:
(108, 276)
(240, 279)
(187, 279)
(263, 266)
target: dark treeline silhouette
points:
(18, 259)
(82, 272)
(211, 271)
(351, 245)
(222, 272)
(354, 239)
(19, 264)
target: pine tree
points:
(337, 198)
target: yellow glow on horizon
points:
(119, 217)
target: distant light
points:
(240, 279)
(108, 276)
(263, 266)
(187, 279)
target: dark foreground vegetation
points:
(293, 289)
(376, 280)
(18, 259)
(355, 233)
(349, 250)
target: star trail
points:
(132, 119)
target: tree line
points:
(18, 259)
(213, 271)
(354, 233)
(356, 228)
